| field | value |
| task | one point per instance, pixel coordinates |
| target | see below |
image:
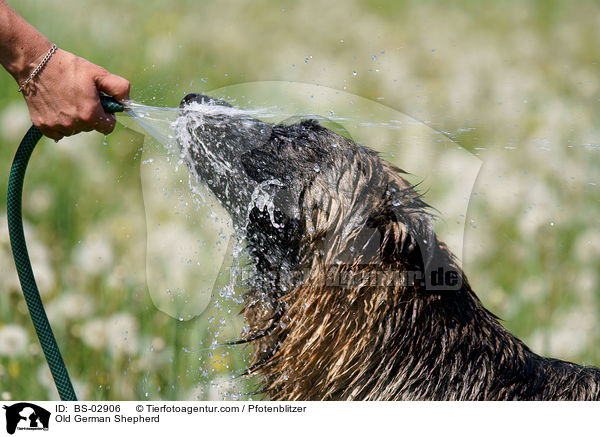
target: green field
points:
(515, 84)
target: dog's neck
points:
(321, 342)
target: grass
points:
(513, 83)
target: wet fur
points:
(376, 342)
(330, 315)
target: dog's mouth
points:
(214, 136)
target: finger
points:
(52, 134)
(53, 129)
(101, 121)
(107, 123)
(113, 85)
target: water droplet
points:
(316, 168)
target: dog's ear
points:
(359, 221)
(406, 235)
(407, 238)
(389, 228)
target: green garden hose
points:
(21, 256)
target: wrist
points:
(21, 45)
(27, 59)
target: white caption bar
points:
(299, 418)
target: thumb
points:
(113, 85)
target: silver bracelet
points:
(37, 70)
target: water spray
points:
(366, 118)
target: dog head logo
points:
(26, 416)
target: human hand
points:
(63, 99)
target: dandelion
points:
(4, 224)
(40, 262)
(158, 344)
(13, 340)
(94, 255)
(93, 333)
(122, 333)
(567, 339)
(44, 377)
(70, 306)
(587, 246)
(9, 281)
(222, 388)
(14, 120)
(196, 393)
(81, 388)
(39, 200)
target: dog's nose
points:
(202, 99)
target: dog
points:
(354, 296)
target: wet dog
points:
(354, 298)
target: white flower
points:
(40, 262)
(587, 246)
(197, 393)
(9, 281)
(500, 185)
(534, 289)
(13, 340)
(586, 283)
(119, 333)
(39, 200)
(122, 333)
(541, 207)
(44, 276)
(44, 377)
(158, 344)
(70, 306)
(94, 255)
(569, 337)
(93, 333)
(14, 122)
(4, 237)
(223, 388)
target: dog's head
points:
(306, 197)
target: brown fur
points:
(331, 312)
